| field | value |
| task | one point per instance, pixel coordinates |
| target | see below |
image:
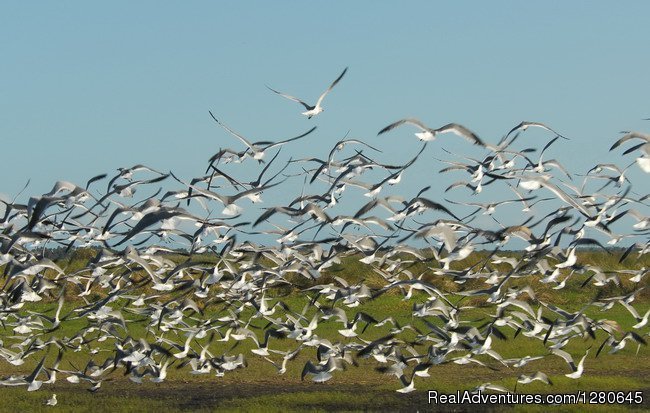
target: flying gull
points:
(316, 109)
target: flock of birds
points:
(227, 289)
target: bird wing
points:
(295, 99)
(566, 356)
(629, 136)
(565, 197)
(273, 144)
(308, 369)
(412, 121)
(543, 126)
(36, 371)
(320, 99)
(462, 131)
(232, 132)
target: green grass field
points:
(359, 388)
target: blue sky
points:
(88, 87)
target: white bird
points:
(428, 134)
(577, 370)
(52, 400)
(619, 345)
(186, 348)
(523, 126)
(522, 361)
(320, 372)
(641, 321)
(642, 161)
(525, 379)
(258, 149)
(316, 109)
(409, 385)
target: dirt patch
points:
(206, 396)
(190, 395)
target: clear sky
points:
(88, 87)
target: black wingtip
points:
(386, 129)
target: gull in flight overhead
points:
(522, 127)
(259, 149)
(428, 134)
(642, 161)
(316, 109)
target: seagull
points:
(320, 372)
(520, 362)
(641, 321)
(316, 109)
(489, 386)
(577, 370)
(288, 356)
(540, 376)
(428, 134)
(620, 344)
(642, 161)
(259, 149)
(51, 401)
(525, 125)
(525, 379)
(629, 136)
(409, 385)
